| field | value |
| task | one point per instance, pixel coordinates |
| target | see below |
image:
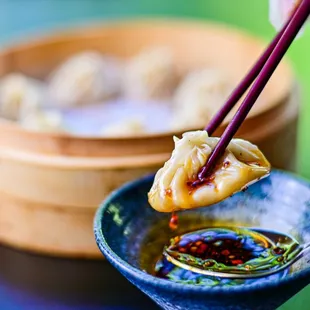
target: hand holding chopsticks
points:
(262, 70)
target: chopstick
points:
(282, 42)
(246, 82)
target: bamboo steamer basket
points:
(52, 183)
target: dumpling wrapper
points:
(85, 78)
(20, 96)
(152, 74)
(242, 164)
(44, 121)
(199, 96)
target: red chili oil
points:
(174, 221)
(220, 249)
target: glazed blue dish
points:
(131, 235)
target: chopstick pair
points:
(262, 72)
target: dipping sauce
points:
(174, 221)
(236, 250)
(166, 270)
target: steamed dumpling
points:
(130, 127)
(87, 77)
(242, 164)
(45, 121)
(150, 75)
(20, 96)
(199, 97)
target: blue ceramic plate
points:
(131, 235)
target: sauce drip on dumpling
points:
(241, 165)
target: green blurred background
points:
(23, 18)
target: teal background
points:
(20, 19)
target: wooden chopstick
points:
(269, 67)
(245, 83)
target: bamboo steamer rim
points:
(58, 142)
(84, 163)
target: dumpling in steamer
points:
(20, 96)
(85, 78)
(199, 97)
(152, 74)
(44, 121)
(242, 164)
